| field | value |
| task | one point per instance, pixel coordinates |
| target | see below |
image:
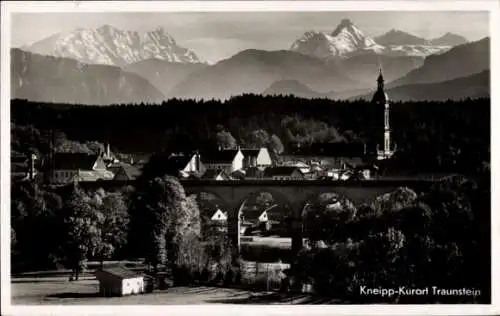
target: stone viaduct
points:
(295, 193)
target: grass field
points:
(59, 291)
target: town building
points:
(119, 281)
(381, 101)
(254, 173)
(107, 156)
(284, 173)
(124, 171)
(219, 216)
(184, 165)
(24, 167)
(228, 160)
(258, 157)
(216, 174)
(63, 168)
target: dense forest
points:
(430, 136)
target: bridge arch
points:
(199, 191)
(213, 209)
(281, 197)
(280, 203)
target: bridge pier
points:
(234, 227)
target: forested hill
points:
(453, 135)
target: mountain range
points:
(461, 61)
(110, 46)
(108, 65)
(252, 71)
(348, 40)
(62, 80)
(472, 86)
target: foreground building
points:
(118, 281)
(67, 167)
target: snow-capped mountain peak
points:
(112, 46)
(346, 39)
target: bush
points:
(265, 253)
(405, 240)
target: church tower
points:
(381, 100)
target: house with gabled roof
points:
(23, 167)
(253, 216)
(229, 160)
(119, 281)
(216, 174)
(219, 216)
(334, 154)
(124, 171)
(284, 173)
(256, 157)
(67, 167)
(184, 165)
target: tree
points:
(169, 217)
(190, 255)
(393, 201)
(83, 221)
(259, 138)
(276, 145)
(158, 215)
(114, 227)
(226, 140)
(326, 217)
(35, 216)
(264, 199)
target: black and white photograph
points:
(289, 153)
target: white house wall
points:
(133, 286)
(237, 163)
(191, 166)
(263, 158)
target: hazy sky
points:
(217, 35)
